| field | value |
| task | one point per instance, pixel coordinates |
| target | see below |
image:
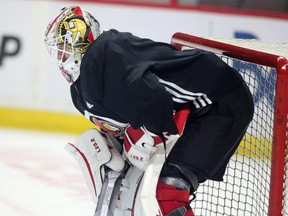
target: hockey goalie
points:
(165, 120)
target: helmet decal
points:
(78, 29)
(67, 38)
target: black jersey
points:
(125, 80)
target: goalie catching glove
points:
(91, 151)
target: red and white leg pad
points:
(167, 201)
(92, 150)
(171, 199)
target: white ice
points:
(37, 176)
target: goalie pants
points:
(212, 135)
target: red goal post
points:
(256, 181)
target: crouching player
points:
(132, 88)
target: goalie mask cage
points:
(256, 181)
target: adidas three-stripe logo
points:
(181, 95)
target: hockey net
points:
(256, 180)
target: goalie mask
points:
(67, 38)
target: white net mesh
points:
(245, 190)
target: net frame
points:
(271, 55)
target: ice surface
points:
(37, 176)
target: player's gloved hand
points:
(92, 150)
(140, 144)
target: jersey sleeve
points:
(135, 94)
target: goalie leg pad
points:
(91, 151)
(172, 200)
(110, 192)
